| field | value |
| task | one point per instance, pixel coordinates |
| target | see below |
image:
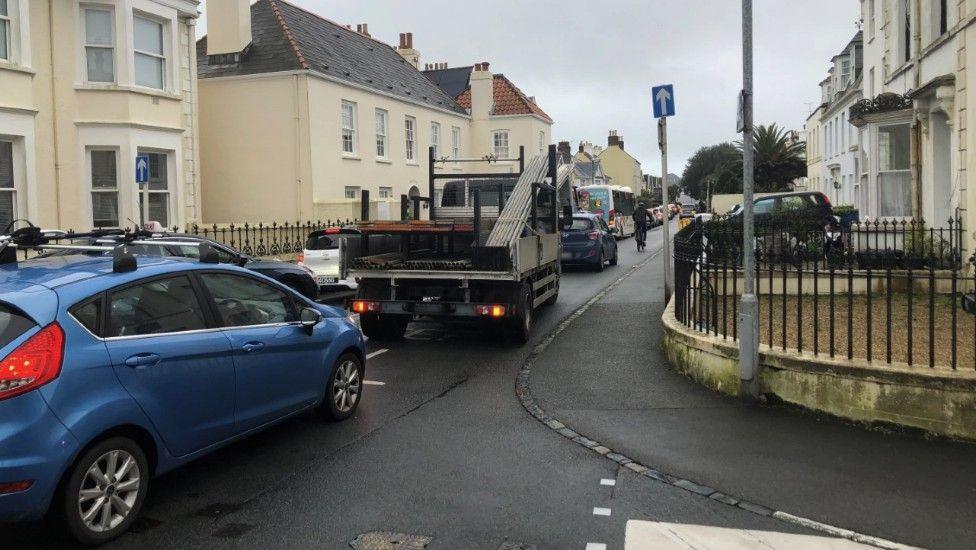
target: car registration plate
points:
(327, 280)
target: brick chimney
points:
(563, 148)
(482, 91)
(615, 139)
(228, 26)
(406, 50)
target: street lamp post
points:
(749, 309)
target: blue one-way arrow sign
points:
(142, 168)
(663, 99)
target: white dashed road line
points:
(601, 511)
(596, 546)
(375, 353)
(608, 482)
(373, 383)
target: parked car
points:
(325, 249)
(810, 204)
(588, 240)
(295, 276)
(323, 256)
(113, 373)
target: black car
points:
(290, 274)
(812, 205)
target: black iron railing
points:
(264, 239)
(834, 292)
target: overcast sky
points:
(591, 64)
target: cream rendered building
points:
(813, 131)
(618, 165)
(919, 66)
(300, 115)
(85, 86)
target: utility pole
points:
(662, 136)
(749, 309)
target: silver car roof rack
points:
(123, 260)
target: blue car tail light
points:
(32, 364)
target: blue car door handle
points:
(252, 347)
(142, 360)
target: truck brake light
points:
(493, 310)
(365, 306)
(32, 364)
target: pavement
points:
(605, 377)
(442, 452)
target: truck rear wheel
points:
(520, 327)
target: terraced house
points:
(85, 87)
(300, 115)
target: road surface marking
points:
(373, 383)
(375, 353)
(608, 482)
(596, 546)
(601, 511)
(659, 535)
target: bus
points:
(615, 203)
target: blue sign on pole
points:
(663, 99)
(142, 169)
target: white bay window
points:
(894, 170)
(99, 45)
(149, 53)
(8, 190)
(104, 188)
(5, 30)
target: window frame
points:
(112, 47)
(382, 129)
(7, 22)
(13, 190)
(293, 302)
(350, 129)
(495, 147)
(356, 191)
(203, 300)
(389, 193)
(162, 57)
(455, 142)
(168, 192)
(103, 190)
(435, 137)
(410, 138)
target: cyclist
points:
(641, 221)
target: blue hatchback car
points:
(588, 240)
(109, 378)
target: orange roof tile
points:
(509, 100)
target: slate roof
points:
(288, 38)
(509, 100)
(586, 170)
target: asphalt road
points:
(440, 448)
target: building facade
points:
(619, 165)
(914, 118)
(300, 115)
(813, 132)
(837, 139)
(85, 88)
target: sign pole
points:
(666, 195)
(749, 309)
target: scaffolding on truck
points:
(489, 248)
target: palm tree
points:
(779, 158)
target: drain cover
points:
(390, 541)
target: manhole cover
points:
(390, 541)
